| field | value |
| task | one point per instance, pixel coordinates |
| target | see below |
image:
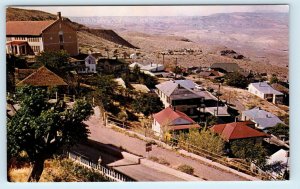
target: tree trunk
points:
(36, 171)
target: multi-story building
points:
(33, 37)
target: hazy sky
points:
(155, 10)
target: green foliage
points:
(186, 169)
(204, 139)
(274, 79)
(55, 60)
(147, 104)
(212, 120)
(250, 150)
(105, 90)
(280, 129)
(236, 79)
(73, 172)
(40, 128)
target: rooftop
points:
(262, 118)
(27, 27)
(237, 130)
(42, 77)
(228, 67)
(265, 88)
(168, 115)
(168, 87)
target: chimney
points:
(58, 15)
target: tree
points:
(147, 104)
(249, 150)
(274, 79)
(205, 139)
(41, 129)
(280, 129)
(236, 79)
(55, 60)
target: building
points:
(180, 95)
(150, 69)
(33, 37)
(225, 67)
(280, 157)
(112, 66)
(262, 119)
(169, 120)
(89, 65)
(238, 130)
(265, 91)
(42, 77)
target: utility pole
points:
(218, 95)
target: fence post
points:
(74, 98)
(56, 96)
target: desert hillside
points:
(262, 38)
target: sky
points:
(156, 10)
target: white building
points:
(265, 91)
(90, 65)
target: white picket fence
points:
(108, 173)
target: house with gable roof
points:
(33, 37)
(180, 95)
(262, 119)
(169, 120)
(265, 91)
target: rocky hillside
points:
(13, 14)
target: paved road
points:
(105, 135)
(132, 169)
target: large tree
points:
(236, 79)
(41, 129)
(280, 129)
(250, 150)
(204, 139)
(147, 104)
(55, 60)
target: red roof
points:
(168, 115)
(237, 130)
(27, 27)
(42, 77)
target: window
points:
(33, 39)
(20, 38)
(35, 48)
(61, 37)
(61, 47)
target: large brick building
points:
(33, 37)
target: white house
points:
(90, 64)
(148, 67)
(169, 120)
(262, 119)
(265, 91)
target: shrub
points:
(186, 169)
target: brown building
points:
(33, 37)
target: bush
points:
(186, 169)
